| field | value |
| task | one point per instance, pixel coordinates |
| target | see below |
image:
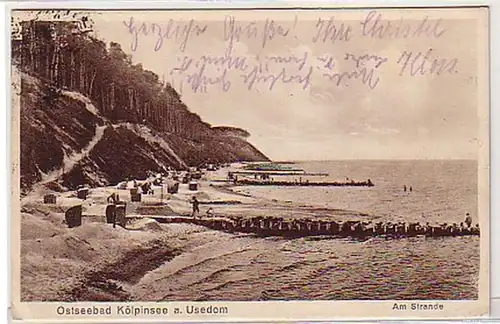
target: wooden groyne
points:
(280, 173)
(246, 182)
(269, 226)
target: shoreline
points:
(96, 262)
(94, 259)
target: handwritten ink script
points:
(305, 53)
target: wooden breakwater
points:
(247, 182)
(280, 173)
(269, 226)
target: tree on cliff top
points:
(231, 131)
(61, 51)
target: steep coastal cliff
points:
(90, 116)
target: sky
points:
(307, 114)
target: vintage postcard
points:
(250, 164)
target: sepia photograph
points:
(250, 156)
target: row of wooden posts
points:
(269, 226)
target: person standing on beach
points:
(468, 220)
(196, 208)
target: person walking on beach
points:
(196, 208)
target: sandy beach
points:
(98, 262)
(152, 261)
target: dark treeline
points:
(61, 54)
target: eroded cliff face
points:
(66, 142)
(89, 116)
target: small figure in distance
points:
(210, 212)
(411, 188)
(468, 220)
(196, 208)
(404, 188)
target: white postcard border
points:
(375, 309)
